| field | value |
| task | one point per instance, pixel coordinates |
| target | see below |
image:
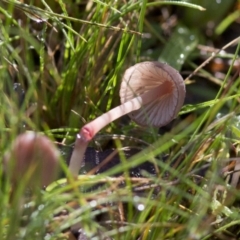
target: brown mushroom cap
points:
(144, 76)
(34, 157)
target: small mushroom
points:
(33, 158)
(152, 93)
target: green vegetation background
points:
(69, 57)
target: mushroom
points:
(32, 158)
(152, 93)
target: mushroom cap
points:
(145, 76)
(34, 157)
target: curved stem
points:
(89, 130)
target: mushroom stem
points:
(91, 129)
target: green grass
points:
(69, 57)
